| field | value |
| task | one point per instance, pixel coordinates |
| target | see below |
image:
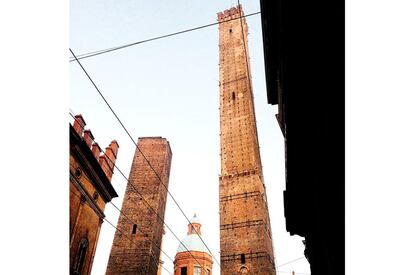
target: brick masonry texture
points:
(185, 259)
(141, 255)
(245, 234)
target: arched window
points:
(134, 229)
(80, 256)
(244, 270)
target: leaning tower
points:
(245, 234)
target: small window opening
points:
(230, 30)
(184, 270)
(78, 173)
(243, 259)
(134, 229)
(233, 95)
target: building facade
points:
(245, 234)
(138, 251)
(192, 256)
(90, 174)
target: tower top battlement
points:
(232, 13)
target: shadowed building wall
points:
(245, 233)
(141, 256)
(304, 57)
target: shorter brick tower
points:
(137, 251)
(192, 255)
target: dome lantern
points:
(192, 255)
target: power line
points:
(132, 222)
(99, 52)
(291, 261)
(116, 228)
(159, 247)
(301, 273)
(149, 206)
(146, 159)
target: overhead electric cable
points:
(139, 229)
(99, 52)
(117, 229)
(149, 206)
(146, 159)
(300, 273)
(291, 261)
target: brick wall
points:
(245, 235)
(135, 257)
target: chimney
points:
(114, 146)
(96, 150)
(79, 124)
(87, 135)
(107, 161)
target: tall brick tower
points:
(245, 234)
(141, 255)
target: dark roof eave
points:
(271, 47)
(108, 188)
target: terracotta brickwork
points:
(245, 234)
(141, 256)
(90, 190)
(184, 259)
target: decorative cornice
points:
(91, 166)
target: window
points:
(243, 257)
(233, 95)
(80, 256)
(184, 270)
(78, 173)
(134, 229)
(197, 270)
(208, 271)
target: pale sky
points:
(169, 88)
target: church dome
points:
(192, 241)
(195, 219)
